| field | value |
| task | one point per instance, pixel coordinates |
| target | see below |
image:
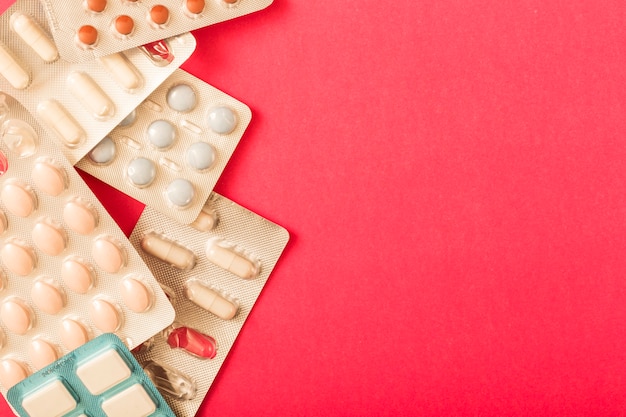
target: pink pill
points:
(47, 296)
(49, 237)
(73, 334)
(136, 295)
(18, 198)
(42, 353)
(104, 315)
(77, 275)
(12, 371)
(109, 254)
(3, 223)
(80, 216)
(18, 257)
(49, 177)
(16, 315)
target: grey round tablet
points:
(129, 120)
(222, 120)
(200, 156)
(161, 134)
(180, 192)
(141, 172)
(104, 152)
(181, 98)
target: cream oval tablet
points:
(49, 237)
(18, 198)
(73, 333)
(125, 74)
(108, 254)
(18, 257)
(206, 297)
(104, 315)
(47, 296)
(64, 126)
(3, 222)
(12, 71)
(42, 353)
(77, 275)
(80, 216)
(34, 36)
(90, 95)
(12, 371)
(226, 257)
(16, 315)
(20, 137)
(49, 177)
(168, 251)
(136, 295)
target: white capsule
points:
(34, 36)
(204, 296)
(227, 257)
(123, 71)
(90, 95)
(168, 251)
(12, 70)
(57, 118)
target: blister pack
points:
(68, 273)
(79, 103)
(99, 379)
(213, 273)
(93, 28)
(171, 151)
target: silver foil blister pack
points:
(213, 271)
(68, 273)
(85, 29)
(79, 103)
(171, 151)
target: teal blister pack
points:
(99, 379)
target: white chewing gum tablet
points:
(64, 126)
(123, 71)
(132, 402)
(104, 371)
(52, 400)
(209, 299)
(90, 95)
(228, 259)
(168, 251)
(10, 69)
(34, 36)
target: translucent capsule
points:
(12, 70)
(34, 36)
(205, 296)
(64, 126)
(20, 137)
(170, 381)
(168, 251)
(226, 256)
(95, 101)
(191, 341)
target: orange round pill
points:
(230, 1)
(195, 6)
(87, 35)
(159, 14)
(124, 25)
(96, 6)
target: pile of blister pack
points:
(93, 323)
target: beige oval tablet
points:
(49, 178)
(136, 295)
(47, 297)
(73, 334)
(80, 216)
(3, 222)
(77, 275)
(42, 353)
(49, 238)
(104, 315)
(18, 199)
(16, 315)
(11, 372)
(18, 257)
(108, 254)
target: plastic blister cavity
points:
(78, 103)
(211, 302)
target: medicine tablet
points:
(3, 222)
(34, 36)
(49, 237)
(104, 152)
(80, 216)
(181, 98)
(104, 371)
(123, 71)
(128, 120)
(108, 254)
(123, 25)
(77, 275)
(87, 36)
(159, 15)
(12, 371)
(95, 101)
(20, 137)
(132, 402)
(73, 334)
(228, 258)
(222, 120)
(206, 220)
(49, 177)
(104, 315)
(42, 353)
(16, 315)
(136, 295)
(141, 172)
(200, 156)
(180, 192)
(47, 296)
(18, 198)
(64, 126)
(52, 400)
(11, 69)
(194, 7)
(202, 295)
(161, 134)
(168, 251)
(18, 257)
(96, 6)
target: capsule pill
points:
(168, 251)
(34, 36)
(10, 69)
(97, 103)
(227, 258)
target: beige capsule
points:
(34, 36)
(168, 251)
(208, 298)
(228, 258)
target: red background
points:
(453, 175)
